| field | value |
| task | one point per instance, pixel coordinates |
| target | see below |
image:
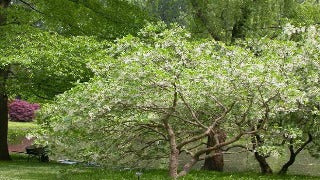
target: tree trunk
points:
(187, 167)
(264, 166)
(4, 153)
(174, 152)
(293, 154)
(200, 14)
(215, 163)
(173, 163)
(286, 166)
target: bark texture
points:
(215, 163)
(293, 154)
(4, 152)
(264, 166)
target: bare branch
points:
(31, 6)
(304, 144)
(194, 116)
(219, 103)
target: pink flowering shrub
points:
(22, 111)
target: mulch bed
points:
(22, 146)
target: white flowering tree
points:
(295, 130)
(160, 95)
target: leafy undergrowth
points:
(19, 168)
(19, 130)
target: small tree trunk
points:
(174, 152)
(173, 163)
(264, 166)
(293, 154)
(215, 163)
(187, 167)
(286, 166)
(4, 152)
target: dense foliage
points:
(227, 20)
(246, 69)
(45, 46)
(161, 94)
(101, 19)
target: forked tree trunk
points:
(4, 152)
(215, 163)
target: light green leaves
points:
(121, 109)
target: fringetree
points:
(295, 130)
(160, 95)
(231, 20)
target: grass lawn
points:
(19, 168)
(18, 130)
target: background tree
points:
(228, 20)
(38, 63)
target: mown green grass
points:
(19, 168)
(18, 130)
(234, 165)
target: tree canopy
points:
(119, 89)
(227, 20)
(161, 94)
(45, 45)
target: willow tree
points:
(228, 20)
